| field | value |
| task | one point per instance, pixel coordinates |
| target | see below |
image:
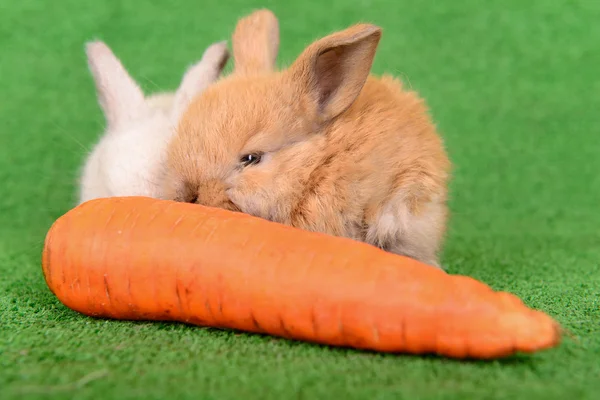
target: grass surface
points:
(514, 88)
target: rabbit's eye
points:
(250, 159)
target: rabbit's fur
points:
(339, 151)
(129, 157)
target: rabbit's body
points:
(129, 162)
(338, 151)
(382, 172)
(128, 159)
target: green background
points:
(514, 88)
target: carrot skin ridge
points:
(136, 258)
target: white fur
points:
(128, 158)
(419, 233)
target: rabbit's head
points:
(252, 141)
(129, 157)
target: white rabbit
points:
(128, 158)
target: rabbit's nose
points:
(212, 194)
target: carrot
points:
(136, 258)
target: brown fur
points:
(345, 153)
(253, 56)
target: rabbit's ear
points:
(332, 71)
(119, 95)
(255, 42)
(200, 76)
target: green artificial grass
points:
(514, 87)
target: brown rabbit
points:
(321, 146)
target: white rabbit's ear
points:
(200, 76)
(332, 71)
(119, 95)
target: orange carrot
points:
(136, 258)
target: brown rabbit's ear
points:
(255, 42)
(332, 71)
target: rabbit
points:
(322, 146)
(128, 159)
